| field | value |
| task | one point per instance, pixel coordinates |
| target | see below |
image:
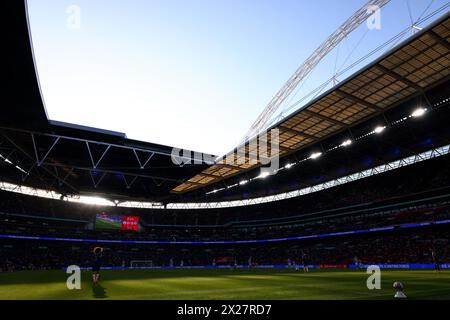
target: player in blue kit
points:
(97, 264)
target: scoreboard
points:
(130, 223)
(116, 222)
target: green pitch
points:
(103, 224)
(223, 284)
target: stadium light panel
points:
(92, 200)
(243, 182)
(346, 143)
(418, 112)
(10, 162)
(289, 165)
(315, 155)
(379, 129)
(22, 170)
(263, 175)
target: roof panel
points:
(401, 73)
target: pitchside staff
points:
(97, 263)
(437, 265)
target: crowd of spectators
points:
(389, 199)
(402, 246)
(20, 226)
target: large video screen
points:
(116, 222)
(130, 223)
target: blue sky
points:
(192, 74)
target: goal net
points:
(141, 263)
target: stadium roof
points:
(403, 72)
(69, 157)
(77, 160)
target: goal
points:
(141, 264)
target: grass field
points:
(223, 284)
(103, 224)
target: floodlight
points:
(418, 112)
(22, 170)
(346, 143)
(93, 200)
(289, 165)
(379, 129)
(315, 155)
(264, 175)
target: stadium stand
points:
(392, 199)
(396, 216)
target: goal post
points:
(141, 263)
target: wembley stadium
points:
(312, 205)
